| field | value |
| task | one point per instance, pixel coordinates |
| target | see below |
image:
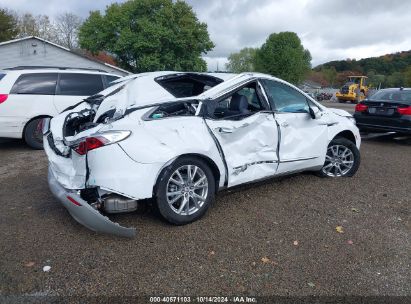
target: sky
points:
(329, 29)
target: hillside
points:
(391, 70)
(385, 65)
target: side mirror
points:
(315, 112)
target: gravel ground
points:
(273, 238)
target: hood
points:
(340, 112)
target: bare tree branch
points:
(67, 26)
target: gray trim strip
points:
(298, 159)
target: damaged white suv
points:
(180, 137)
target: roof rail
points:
(39, 67)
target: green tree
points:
(8, 25)
(283, 56)
(330, 74)
(407, 77)
(243, 61)
(148, 35)
(374, 79)
(396, 80)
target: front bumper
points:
(85, 214)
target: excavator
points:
(349, 90)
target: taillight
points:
(404, 111)
(101, 140)
(360, 107)
(3, 97)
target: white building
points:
(35, 51)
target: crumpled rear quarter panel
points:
(113, 170)
(69, 172)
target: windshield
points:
(402, 96)
(354, 80)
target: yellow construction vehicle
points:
(354, 85)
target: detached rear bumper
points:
(83, 213)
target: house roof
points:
(65, 49)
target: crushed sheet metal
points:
(238, 170)
(260, 133)
(85, 214)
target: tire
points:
(347, 152)
(172, 182)
(33, 135)
(341, 100)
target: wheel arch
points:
(31, 119)
(347, 134)
(213, 167)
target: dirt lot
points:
(274, 238)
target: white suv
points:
(29, 94)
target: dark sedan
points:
(388, 110)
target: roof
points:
(65, 49)
(357, 76)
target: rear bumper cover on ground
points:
(86, 214)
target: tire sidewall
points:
(29, 134)
(161, 189)
(357, 157)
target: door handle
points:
(284, 124)
(224, 130)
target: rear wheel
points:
(33, 135)
(185, 190)
(342, 159)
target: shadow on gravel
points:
(392, 138)
(13, 144)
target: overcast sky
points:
(330, 29)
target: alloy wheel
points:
(187, 190)
(338, 161)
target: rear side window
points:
(76, 84)
(36, 84)
(187, 85)
(2, 75)
(393, 96)
(109, 79)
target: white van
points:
(28, 94)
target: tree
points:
(148, 35)
(318, 77)
(342, 77)
(67, 28)
(242, 61)
(330, 74)
(375, 80)
(8, 25)
(40, 26)
(283, 56)
(395, 80)
(407, 77)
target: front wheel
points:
(342, 159)
(185, 190)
